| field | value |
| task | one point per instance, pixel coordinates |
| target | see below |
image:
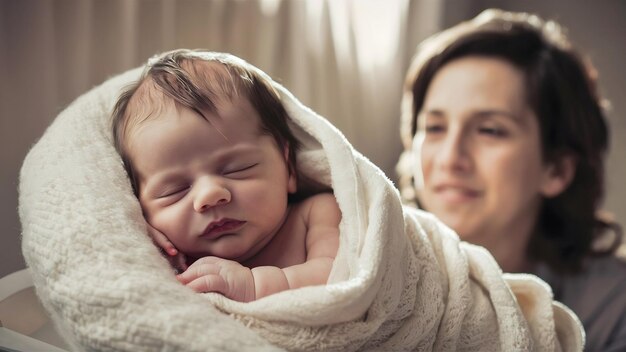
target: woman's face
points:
(480, 169)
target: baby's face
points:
(213, 188)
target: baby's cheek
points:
(251, 191)
(261, 197)
(172, 223)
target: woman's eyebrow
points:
(496, 112)
(432, 112)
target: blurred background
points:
(345, 59)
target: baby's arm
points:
(321, 215)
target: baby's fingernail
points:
(172, 251)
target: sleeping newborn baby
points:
(213, 163)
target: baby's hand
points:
(213, 274)
(177, 259)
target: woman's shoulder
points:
(610, 265)
(596, 295)
(595, 268)
(602, 279)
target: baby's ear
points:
(292, 182)
(558, 175)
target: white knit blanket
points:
(401, 280)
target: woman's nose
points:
(454, 153)
(208, 193)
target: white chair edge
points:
(15, 282)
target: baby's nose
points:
(209, 194)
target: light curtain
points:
(344, 58)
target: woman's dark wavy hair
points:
(562, 92)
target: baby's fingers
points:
(197, 271)
(209, 283)
(179, 262)
(162, 241)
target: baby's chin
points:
(223, 250)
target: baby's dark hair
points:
(198, 80)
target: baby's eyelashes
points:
(172, 191)
(239, 170)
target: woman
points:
(505, 139)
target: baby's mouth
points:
(222, 226)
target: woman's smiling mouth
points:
(456, 194)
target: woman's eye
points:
(434, 128)
(492, 131)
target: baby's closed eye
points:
(240, 170)
(172, 191)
